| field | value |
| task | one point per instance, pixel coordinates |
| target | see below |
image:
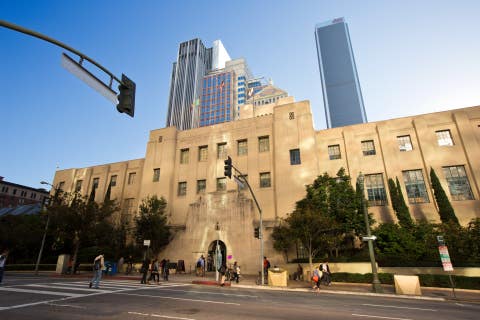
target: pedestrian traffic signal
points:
(126, 96)
(228, 167)
(257, 232)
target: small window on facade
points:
(458, 183)
(291, 115)
(132, 175)
(242, 147)
(334, 152)
(415, 185)
(265, 181)
(375, 190)
(444, 138)
(78, 186)
(263, 144)
(295, 157)
(201, 186)
(182, 188)
(96, 182)
(368, 148)
(61, 184)
(113, 181)
(160, 138)
(128, 206)
(156, 174)
(184, 155)
(221, 184)
(404, 143)
(221, 150)
(203, 153)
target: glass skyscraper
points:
(216, 104)
(342, 95)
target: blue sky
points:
(412, 57)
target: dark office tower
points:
(193, 62)
(341, 89)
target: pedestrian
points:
(209, 263)
(326, 273)
(3, 259)
(129, 265)
(144, 271)
(266, 266)
(154, 272)
(120, 264)
(166, 271)
(200, 266)
(298, 275)
(236, 272)
(222, 271)
(317, 275)
(98, 264)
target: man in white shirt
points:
(3, 259)
(98, 264)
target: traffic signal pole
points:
(228, 163)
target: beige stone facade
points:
(281, 153)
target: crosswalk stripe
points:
(53, 293)
(68, 288)
(83, 285)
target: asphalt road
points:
(23, 297)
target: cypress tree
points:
(393, 194)
(445, 209)
(403, 213)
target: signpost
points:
(445, 258)
(146, 243)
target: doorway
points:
(214, 261)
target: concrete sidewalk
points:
(249, 281)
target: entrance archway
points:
(212, 259)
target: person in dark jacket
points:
(144, 271)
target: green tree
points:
(399, 205)
(282, 238)
(151, 223)
(445, 209)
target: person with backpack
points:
(266, 266)
(317, 275)
(98, 264)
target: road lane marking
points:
(67, 287)
(66, 305)
(52, 293)
(397, 307)
(159, 316)
(378, 317)
(206, 292)
(175, 298)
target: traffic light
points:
(228, 167)
(126, 96)
(257, 232)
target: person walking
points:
(144, 271)
(166, 271)
(326, 273)
(317, 275)
(3, 259)
(222, 271)
(236, 272)
(154, 272)
(98, 264)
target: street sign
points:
(146, 243)
(373, 238)
(445, 257)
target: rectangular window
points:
(263, 144)
(96, 182)
(375, 190)
(334, 152)
(182, 188)
(295, 157)
(415, 185)
(444, 138)
(78, 186)
(184, 155)
(221, 184)
(242, 147)
(458, 183)
(128, 207)
(201, 185)
(203, 153)
(404, 143)
(132, 175)
(113, 181)
(156, 175)
(368, 148)
(265, 181)
(61, 184)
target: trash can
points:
(113, 270)
(277, 277)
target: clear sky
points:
(412, 57)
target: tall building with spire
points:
(342, 96)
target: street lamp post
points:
(377, 286)
(46, 228)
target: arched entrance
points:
(213, 259)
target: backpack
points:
(199, 264)
(268, 264)
(96, 265)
